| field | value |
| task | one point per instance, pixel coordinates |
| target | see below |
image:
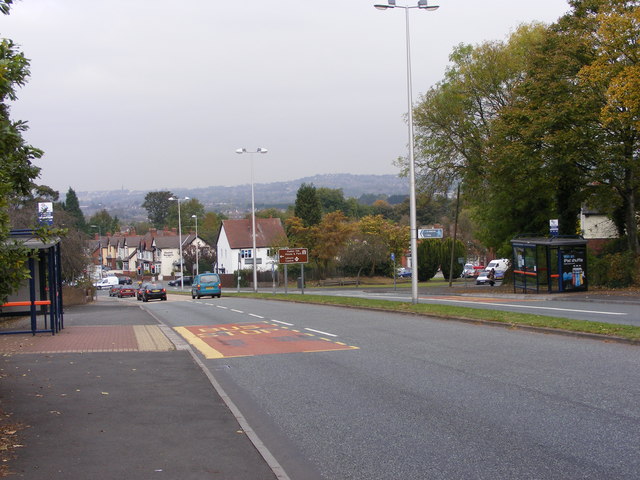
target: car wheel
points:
(145, 299)
(164, 298)
(198, 297)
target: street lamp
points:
(423, 5)
(99, 246)
(253, 216)
(177, 199)
(197, 264)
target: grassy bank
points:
(628, 332)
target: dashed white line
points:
(321, 332)
(224, 308)
(237, 311)
(283, 323)
(254, 315)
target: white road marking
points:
(237, 311)
(283, 323)
(220, 306)
(527, 306)
(254, 315)
(321, 332)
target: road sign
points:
(293, 255)
(430, 233)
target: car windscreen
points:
(209, 278)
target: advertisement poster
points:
(574, 269)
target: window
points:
(246, 253)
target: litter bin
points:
(300, 285)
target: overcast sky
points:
(158, 94)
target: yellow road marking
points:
(194, 340)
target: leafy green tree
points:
(102, 222)
(157, 205)
(307, 206)
(187, 209)
(459, 251)
(17, 172)
(71, 205)
(428, 259)
(331, 199)
(209, 226)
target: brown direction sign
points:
(293, 255)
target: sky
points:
(158, 94)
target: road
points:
(349, 394)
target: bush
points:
(459, 251)
(615, 270)
(428, 259)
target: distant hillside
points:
(126, 204)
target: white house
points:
(235, 244)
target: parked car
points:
(106, 282)
(206, 284)
(126, 291)
(188, 280)
(499, 266)
(113, 291)
(125, 280)
(153, 290)
(472, 271)
(404, 273)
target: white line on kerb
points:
(283, 323)
(529, 306)
(321, 333)
(254, 315)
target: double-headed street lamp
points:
(423, 5)
(197, 264)
(253, 216)
(177, 199)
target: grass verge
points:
(627, 332)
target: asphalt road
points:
(413, 398)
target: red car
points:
(126, 291)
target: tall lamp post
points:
(177, 199)
(253, 216)
(99, 246)
(197, 264)
(422, 4)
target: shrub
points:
(615, 270)
(428, 259)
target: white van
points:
(499, 266)
(106, 282)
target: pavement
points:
(111, 397)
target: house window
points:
(246, 253)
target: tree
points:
(17, 172)
(459, 251)
(614, 74)
(102, 222)
(331, 199)
(428, 259)
(330, 235)
(209, 226)
(307, 206)
(71, 205)
(157, 205)
(187, 209)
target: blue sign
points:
(430, 233)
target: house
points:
(596, 228)
(234, 245)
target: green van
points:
(206, 284)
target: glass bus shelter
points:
(549, 264)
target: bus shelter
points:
(41, 296)
(549, 264)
